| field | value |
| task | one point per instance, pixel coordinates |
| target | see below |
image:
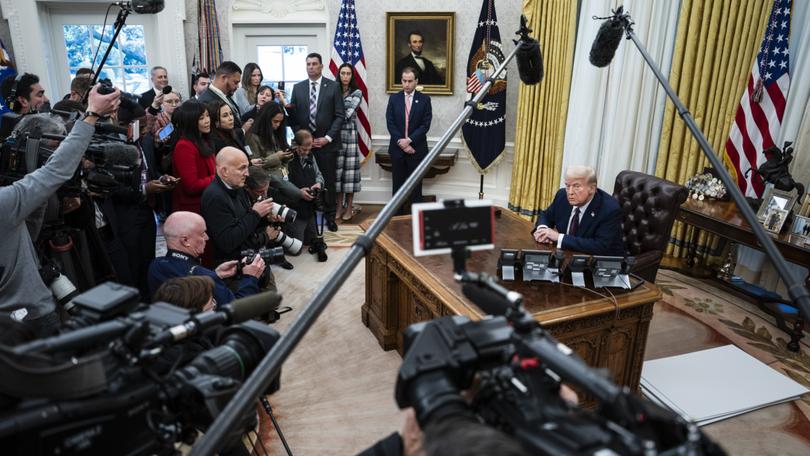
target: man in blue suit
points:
(582, 218)
(408, 117)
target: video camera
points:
(130, 378)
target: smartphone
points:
(165, 132)
(281, 85)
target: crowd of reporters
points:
(217, 165)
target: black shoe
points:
(286, 265)
(332, 225)
(320, 249)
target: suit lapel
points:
(589, 216)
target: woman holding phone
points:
(264, 96)
(268, 141)
(193, 157)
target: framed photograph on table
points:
(804, 211)
(423, 41)
(801, 228)
(772, 201)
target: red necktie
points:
(407, 112)
(572, 228)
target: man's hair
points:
(257, 178)
(228, 68)
(301, 135)
(581, 172)
(84, 72)
(24, 88)
(461, 436)
(414, 32)
(191, 292)
(412, 70)
(35, 125)
(155, 68)
(81, 85)
(315, 55)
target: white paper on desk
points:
(718, 383)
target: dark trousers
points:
(402, 166)
(137, 235)
(327, 163)
(303, 228)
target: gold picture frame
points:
(776, 205)
(437, 30)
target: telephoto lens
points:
(288, 215)
(290, 244)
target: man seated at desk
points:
(582, 218)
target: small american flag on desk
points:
(347, 48)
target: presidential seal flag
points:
(6, 69)
(484, 132)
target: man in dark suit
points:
(408, 117)
(427, 73)
(317, 106)
(160, 79)
(226, 81)
(582, 218)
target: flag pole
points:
(270, 365)
(796, 290)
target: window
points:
(127, 66)
(282, 63)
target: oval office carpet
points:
(337, 388)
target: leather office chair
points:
(649, 206)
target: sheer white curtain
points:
(752, 265)
(615, 113)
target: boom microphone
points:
(142, 6)
(608, 38)
(258, 305)
(528, 56)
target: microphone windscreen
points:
(147, 6)
(250, 307)
(530, 62)
(490, 302)
(167, 90)
(117, 154)
(606, 42)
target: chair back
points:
(649, 206)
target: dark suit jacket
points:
(599, 231)
(147, 98)
(430, 75)
(329, 115)
(209, 96)
(418, 124)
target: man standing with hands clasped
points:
(408, 117)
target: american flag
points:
(347, 48)
(475, 82)
(759, 116)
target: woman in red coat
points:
(193, 159)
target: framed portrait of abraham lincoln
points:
(424, 42)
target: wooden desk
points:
(725, 220)
(402, 289)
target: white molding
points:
(269, 12)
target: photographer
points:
(257, 185)
(20, 282)
(305, 175)
(233, 222)
(185, 241)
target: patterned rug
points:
(696, 315)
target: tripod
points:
(269, 410)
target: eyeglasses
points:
(172, 102)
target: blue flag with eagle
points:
(6, 69)
(484, 133)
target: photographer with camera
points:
(20, 282)
(234, 223)
(305, 175)
(257, 185)
(186, 236)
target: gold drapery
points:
(542, 108)
(715, 48)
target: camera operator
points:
(233, 222)
(23, 95)
(258, 187)
(20, 282)
(305, 175)
(185, 240)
